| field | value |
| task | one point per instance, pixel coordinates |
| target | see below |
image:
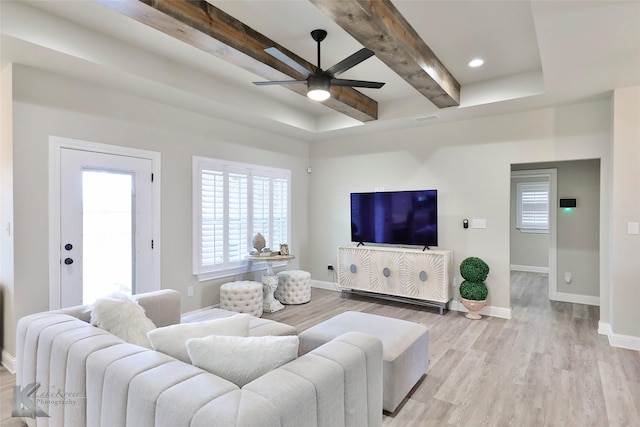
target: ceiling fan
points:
(318, 83)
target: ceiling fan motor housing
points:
(318, 81)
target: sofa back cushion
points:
(172, 339)
(161, 307)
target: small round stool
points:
(244, 296)
(293, 287)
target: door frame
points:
(552, 175)
(56, 144)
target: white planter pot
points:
(474, 307)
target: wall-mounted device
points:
(568, 203)
(465, 223)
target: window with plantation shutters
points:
(233, 202)
(533, 207)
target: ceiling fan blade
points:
(285, 59)
(281, 82)
(356, 83)
(350, 61)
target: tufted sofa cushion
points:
(293, 287)
(243, 296)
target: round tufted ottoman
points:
(243, 297)
(293, 287)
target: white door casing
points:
(68, 160)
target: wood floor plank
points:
(618, 397)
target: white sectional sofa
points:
(89, 377)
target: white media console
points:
(408, 275)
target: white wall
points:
(46, 104)
(469, 163)
(625, 208)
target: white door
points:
(106, 225)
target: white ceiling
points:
(537, 54)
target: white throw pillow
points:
(123, 317)
(171, 339)
(241, 360)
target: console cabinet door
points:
(386, 272)
(426, 277)
(354, 268)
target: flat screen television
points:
(395, 217)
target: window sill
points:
(533, 230)
(245, 267)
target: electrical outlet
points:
(190, 291)
(330, 267)
(567, 278)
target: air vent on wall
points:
(426, 118)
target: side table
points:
(270, 281)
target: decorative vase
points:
(258, 242)
(474, 307)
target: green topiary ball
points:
(475, 291)
(474, 269)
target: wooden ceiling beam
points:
(208, 28)
(380, 27)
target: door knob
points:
(68, 261)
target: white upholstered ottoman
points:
(405, 348)
(293, 287)
(244, 296)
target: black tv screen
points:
(395, 217)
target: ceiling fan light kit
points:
(318, 88)
(319, 81)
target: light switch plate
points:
(478, 223)
(632, 228)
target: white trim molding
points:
(454, 305)
(627, 342)
(9, 361)
(492, 311)
(529, 268)
(320, 284)
(577, 298)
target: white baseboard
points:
(197, 310)
(529, 268)
(576, 298)
(8, 361)
(624, 341)
(330, 286)
(501, 312)
(604, 328)
(492, 311)
(627, 342)
(618, 340)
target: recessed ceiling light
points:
(476, 62)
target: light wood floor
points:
(547, 366)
